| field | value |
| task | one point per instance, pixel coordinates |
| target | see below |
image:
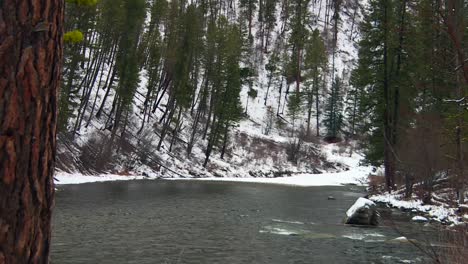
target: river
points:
(218, 222)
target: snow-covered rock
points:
(419, 218)
(363, 212)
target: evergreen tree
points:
(315, 64)
(378, 53)
(297, 40)
(334, 111)
(127, 63)
(248, 7)
(294, 109)
(80, 20)
(30, 68)
(226, 105)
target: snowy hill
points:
(261, 145)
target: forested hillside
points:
(176, 84)
(411, 85)
(256, 87)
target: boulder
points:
(363, 212)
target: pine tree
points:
(297, 40)
(226, 106)
(127, 63)
(355, 112)
(334, 111)
(31, 56)
(80, 20)
(315, 64)
(294, 109)
(269, 19)
(379, 52)
(249, 7)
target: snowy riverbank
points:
(438, 213)
(354, 176)
(78, 178)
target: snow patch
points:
(77, 178)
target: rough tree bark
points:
(30, 55)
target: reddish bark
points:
(31, 34)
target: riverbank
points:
(438, 213)
(62, 178)
(352, 174)
(355, 176)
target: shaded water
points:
(216, 222)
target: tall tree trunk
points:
(317, 116)
(31, 56)
(211, 141)
(459, 142)
(108, 88)
(455, 23)
(310, 103)
(225, 140)
(171, 108)
(388, 157)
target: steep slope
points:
(265, 143)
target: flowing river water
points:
(220, 222)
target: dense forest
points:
(176, 75)
(336, 94)
(161, 82)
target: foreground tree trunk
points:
(30, 63)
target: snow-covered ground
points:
(356, 174)
(78, 178)
(434, 212)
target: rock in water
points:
(363, 212)
(420, 219)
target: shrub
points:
(74, 36)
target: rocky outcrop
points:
(363, 212)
